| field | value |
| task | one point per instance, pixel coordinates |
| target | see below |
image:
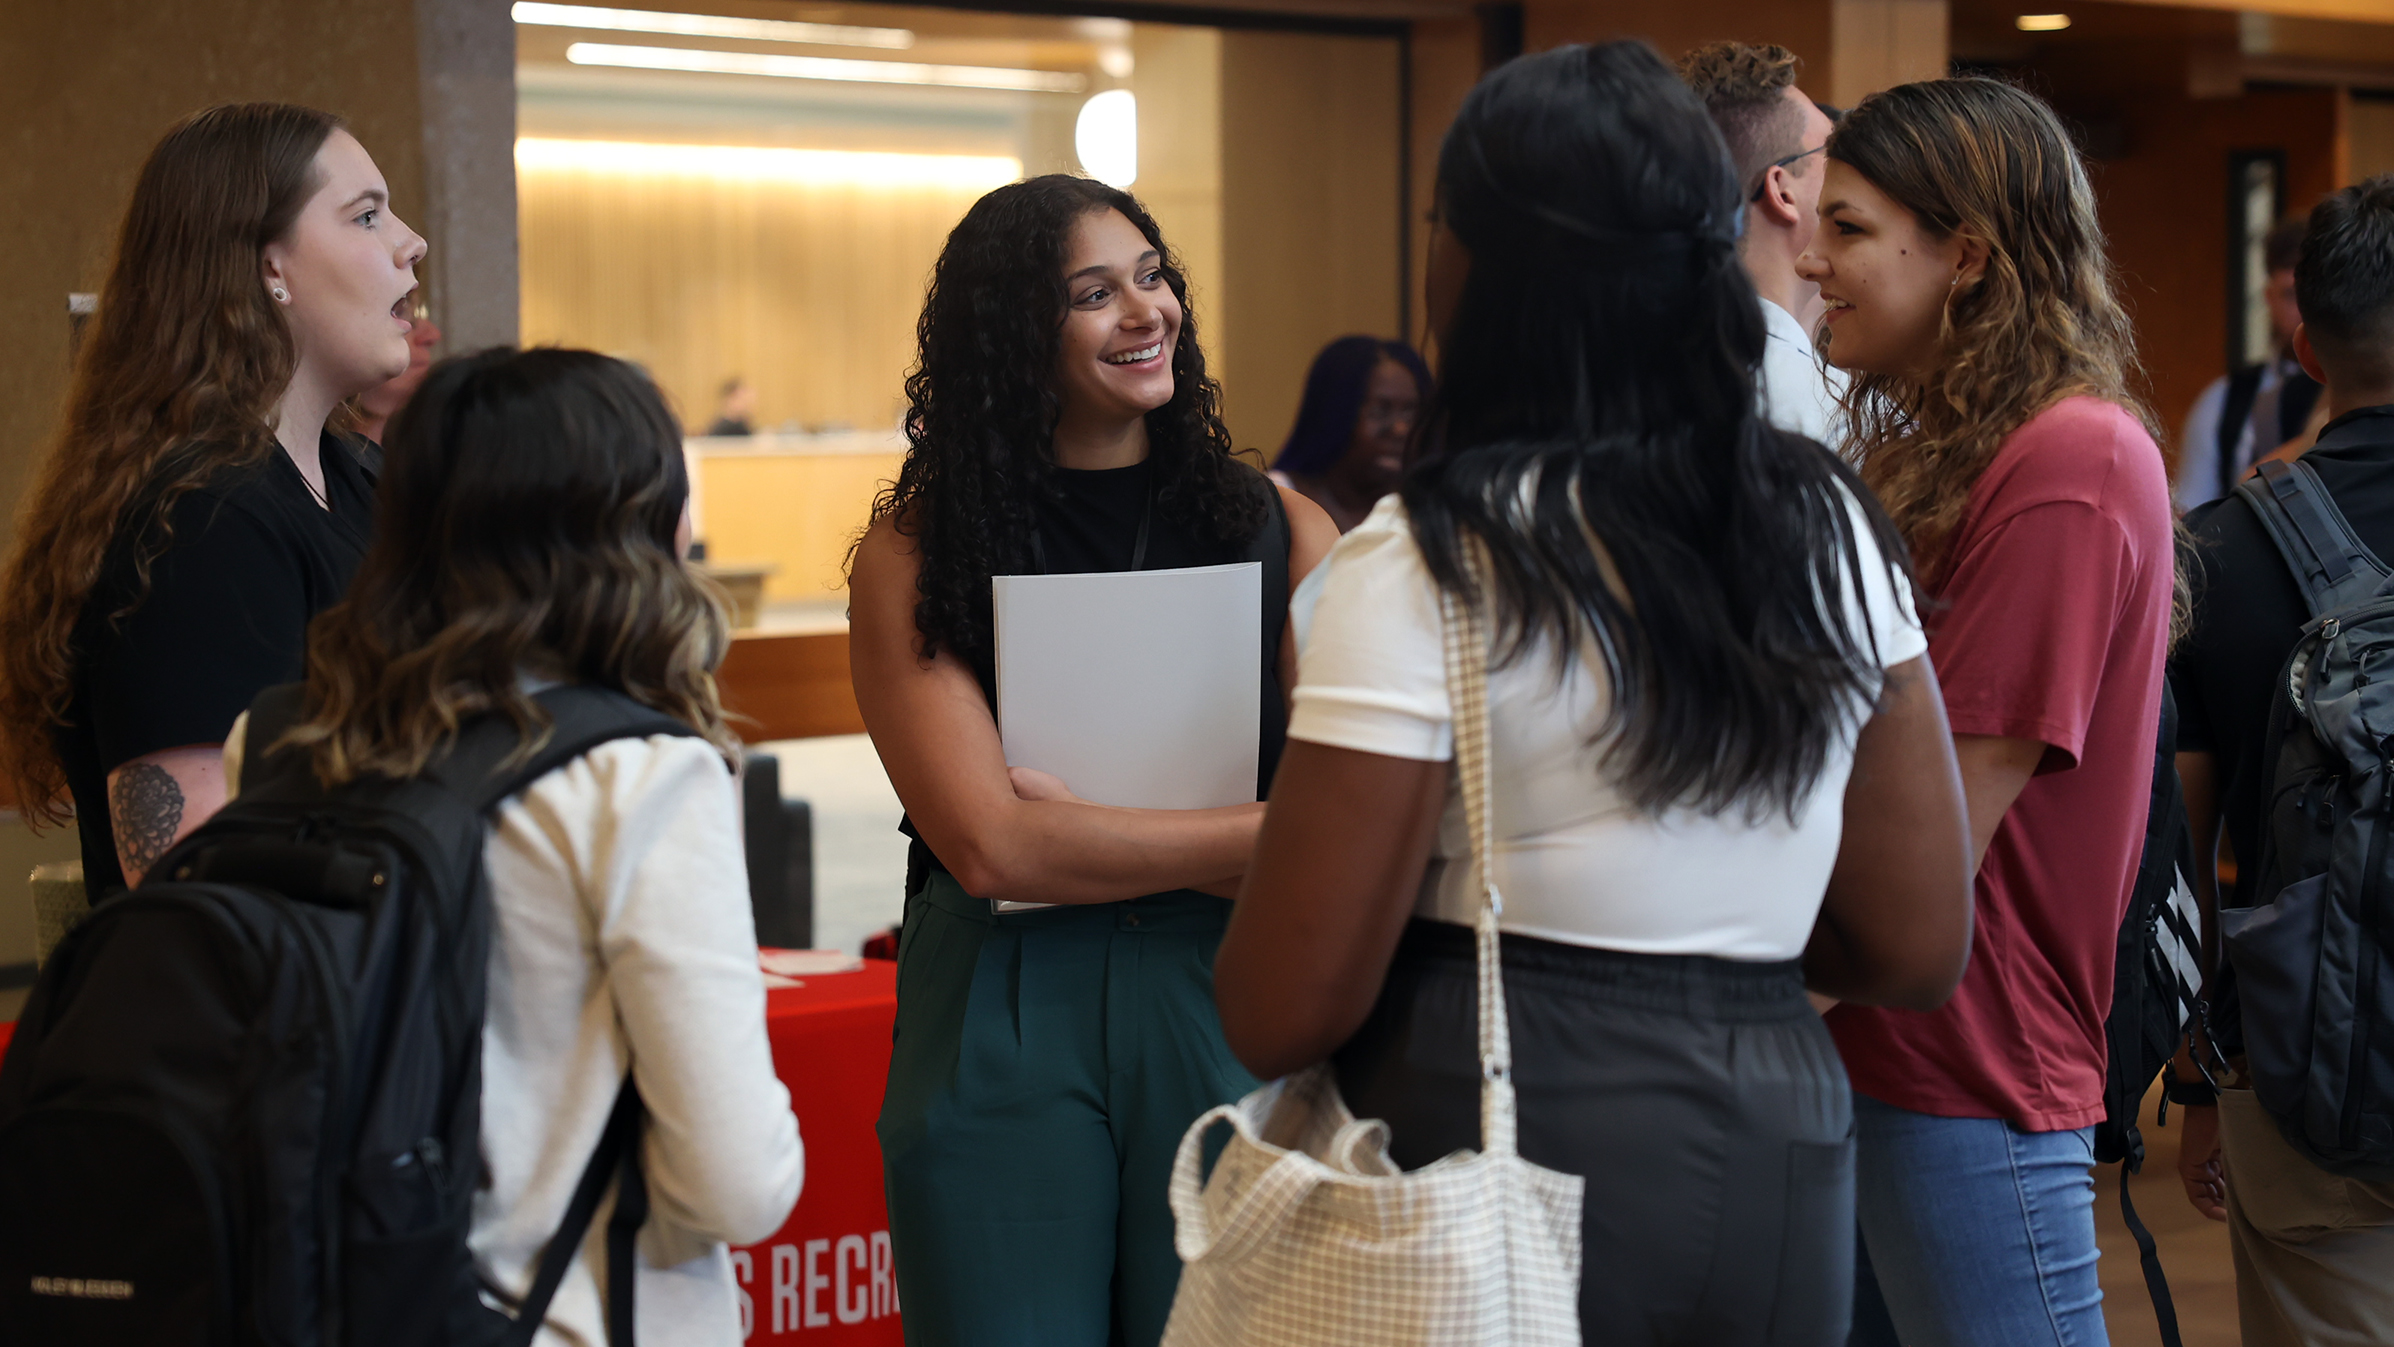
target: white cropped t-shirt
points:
(1575, 861)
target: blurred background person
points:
(1775, 136)
(2244, 416)
(200, 505)
(1355, 427)
(377, 405)
(735, 408)
(1970, 295)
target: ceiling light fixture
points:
(2041, 23)
(707, 25)
(1106, 137)
(747, 163)
(825, 68)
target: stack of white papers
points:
(1136, 688)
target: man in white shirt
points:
(1775, 137)
(2244, 416)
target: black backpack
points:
(243, 1104)
(2313, 958)
(2156, 979)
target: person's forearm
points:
(1057, 851)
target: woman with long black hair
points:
(1048, 1058)
(1704, 645)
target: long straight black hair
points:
(1596, 404)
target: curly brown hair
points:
(176, 382)
(2043, 322)
(1745, 87)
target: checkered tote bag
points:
(1307, 1233)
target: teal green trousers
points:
(1045, 1066)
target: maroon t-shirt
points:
(2051, 624)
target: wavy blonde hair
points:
(176, 382)
(1978, 157)
(525, 527)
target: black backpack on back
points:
(243, 1104)
(2313, 958)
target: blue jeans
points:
(1974, 1234)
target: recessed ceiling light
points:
(862, 168)
(2041, 23)
(824, 68)
(708, 25)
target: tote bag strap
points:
(1466, 634)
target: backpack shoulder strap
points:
(2330, 562)
(582, 718)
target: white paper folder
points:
(1137, 688)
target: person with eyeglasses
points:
(1774, 133)
(1354, 430)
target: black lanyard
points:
(1138, 542)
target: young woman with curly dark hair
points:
(1047, 1060)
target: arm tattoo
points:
(145, 804)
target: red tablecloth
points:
(825, 1276)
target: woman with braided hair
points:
(1056, 1029)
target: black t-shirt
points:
(2248, 613)
(252, 557)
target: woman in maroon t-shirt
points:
(1969, 295)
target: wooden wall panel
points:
(809, 289)
(1310, 156)
(1850, 47)
(796, 512)
(1802, 26)
(2164, 205)
(2372, 139)
(1446, 64)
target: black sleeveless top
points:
(1105, 520)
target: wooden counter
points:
(789, 685)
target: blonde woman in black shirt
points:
(195, 510)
